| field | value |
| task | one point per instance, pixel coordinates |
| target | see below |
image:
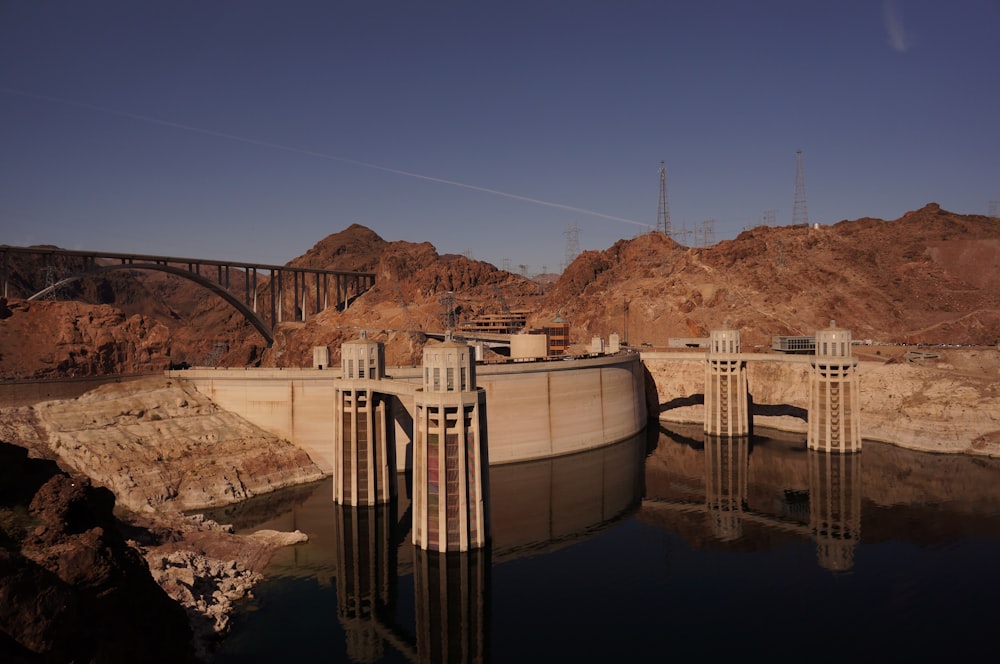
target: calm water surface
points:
(667, 546)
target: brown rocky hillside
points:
(931, 276)
(412, 286)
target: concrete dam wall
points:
(535, 410)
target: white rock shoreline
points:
(163, 450)
(950, 407)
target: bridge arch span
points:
(218, 289)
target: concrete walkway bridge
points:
(265, 295)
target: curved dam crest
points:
(535, 409)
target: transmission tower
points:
(447, 300)
(705, 234)
(505, 265)
(994, 209)
(684, 233)
(769, 217)
(572, 234)
(51, 276)
(800, 215)
(779, 257)
(662, 211)
(709, 225)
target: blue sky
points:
(250, 130)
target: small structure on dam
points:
(363, 472)
(834, 394)
(450, 464)
(727, 410)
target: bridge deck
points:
(265, 300)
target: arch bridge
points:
(265, 295)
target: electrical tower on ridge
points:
(663, 212)
(800, 215)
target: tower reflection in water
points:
(540, 506)
(451, 593)
(739, 481)
(452, 601)
(835, 507)
(366, 578)
(726, 460)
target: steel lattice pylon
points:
(663, 211)
(800, 214)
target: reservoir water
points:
(666, 546)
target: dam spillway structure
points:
(363, 473)
(727, 411)
(834, 394)
(450, 464)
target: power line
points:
(800, 215)
(572, 234)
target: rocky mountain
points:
(930, 276)
(416, 290)
(181, 321)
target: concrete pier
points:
(727, 411)
(834, 394)
(363, 466)
(450, 463)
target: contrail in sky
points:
(898, 37)
(312, 153)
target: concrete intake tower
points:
(834, 395)
(364, 473)
(727, 411)
(450, 464)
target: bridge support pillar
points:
(450, 465)
(363, 469)
(727, 410)
(834, 402)
(835, 507)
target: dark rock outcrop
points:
(71, 589)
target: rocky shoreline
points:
(150, 451)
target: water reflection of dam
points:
(537, 507)
(633, 560)
(820, 498)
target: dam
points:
(537, 409)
